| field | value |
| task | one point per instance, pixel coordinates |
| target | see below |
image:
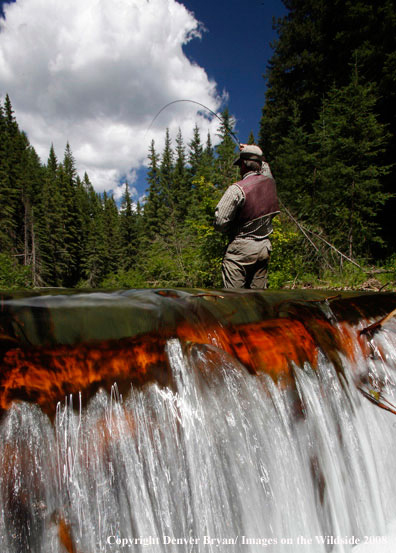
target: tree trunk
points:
(351, 212)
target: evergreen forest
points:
(328, 130)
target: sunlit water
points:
(223, 461)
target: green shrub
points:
(286, 264)
(124, 279)
(13, 275)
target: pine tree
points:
(181, 181)
(67, 178)
(8, 192)
(22, 179)
(93, 261)
(309, 54)
(317, 43)
(82, 193)
(112, 238)
(226, 173)
(52, 163)
(349, 144)
(251, 139)
(13, 148)
(51, 230)
(206, 167)
(294, 168)
(32, 177)
(195, 152)
(205, 246)
(128, 232)
(152, 206)
(166, 178)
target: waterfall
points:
(219, 456)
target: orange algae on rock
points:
(272, 345)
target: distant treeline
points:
(55, 230)
(328, 130)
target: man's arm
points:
(227, 208)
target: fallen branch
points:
(380, 271)
(375, 326)
(384, 286)
(204, 295)
(338, 251)
(375, 397)
(305, 230)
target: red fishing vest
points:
(260, 198)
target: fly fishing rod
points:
(229, 132)
(304, 230)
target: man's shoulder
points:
(254, 178)
(234, 188)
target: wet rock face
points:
(53, 346)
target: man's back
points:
(245, 212)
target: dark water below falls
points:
(175, 421)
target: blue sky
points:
(234, 52)
(95, 73)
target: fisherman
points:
(245, 212)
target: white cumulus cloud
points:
(95, 73)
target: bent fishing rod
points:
(228, 131)
(282, 205)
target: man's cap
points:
(250, 152)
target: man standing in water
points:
(245, 212)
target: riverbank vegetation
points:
(328, 130)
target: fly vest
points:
(260, 198)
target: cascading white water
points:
(221, 461)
